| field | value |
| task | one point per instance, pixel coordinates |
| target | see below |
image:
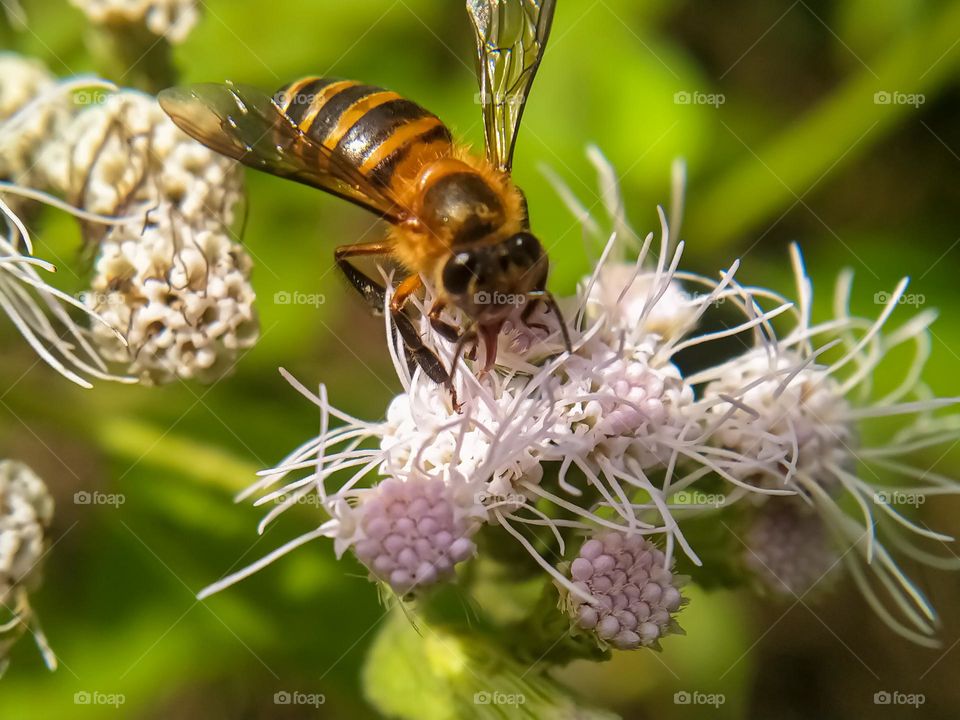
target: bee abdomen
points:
(385, 136)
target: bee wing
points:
(247, 125)
(511, 37)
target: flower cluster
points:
(170, 19)
(26, 510)
(595, 448)
(171, 293)
(25, 117)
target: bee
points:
(456, 218)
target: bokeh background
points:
(785, 139)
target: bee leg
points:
(375, 294)
(424, 356)
(528, 311)
(547, 298)
(443, 328)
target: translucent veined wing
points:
(246, 124)
(511, 37)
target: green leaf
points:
(428, 673)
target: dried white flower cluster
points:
(25, 119)
(171, 291)
(612, 441)
(26, 510)
(635, 594)
(181, 297)
(171, 19)
(176, 286)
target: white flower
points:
(785, 415)
(26, 510)
(30, 107)
(635, 593)
(624, 292)
(171, 285)
(611, 439)
(794, 415)
(181, 297)
(21, 80)
(122, 155)
(41, 313)
(171, 19)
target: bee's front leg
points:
(375, 294)
(443, 328)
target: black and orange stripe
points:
(383, 135)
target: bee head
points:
(489, 281)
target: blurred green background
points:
(800, 148)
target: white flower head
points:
(180, 296)
(26, 510)
(170, 19)
(172, 286)
(121, 155)
(795, 414)
(31, 106)
(785, 415)
(44, 315)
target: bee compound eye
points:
(458, 272)
(524, 249)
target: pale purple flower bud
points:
(788, 548)
(635, 596)
(411, 533)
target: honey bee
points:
(456, 218)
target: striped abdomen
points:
(383, 135)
